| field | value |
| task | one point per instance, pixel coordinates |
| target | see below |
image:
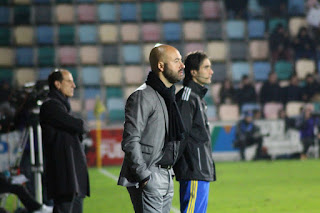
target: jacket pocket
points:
(146, 149)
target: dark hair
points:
(55, 75)
(192, 62)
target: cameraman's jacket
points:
(195, 155)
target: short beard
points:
(170, 75)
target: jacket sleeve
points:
(54, 114)
(137, 110)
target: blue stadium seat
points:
(5, 35)
(115, 103)
(46, 56)
(91, 92)
(149, 11)
(42, 1)
(132, 54)
(24, 56)
(213, 30)
(42, 14)
(296, 7)
(91, 116)
(235, 29)
(4, 15)
(191, 10)
(172, 31)
(107, 12)
(220, 72)
(6, 75)
(128, 12)
(66, 34)
(261, 70)
(91, 76)
(212, 112)
(254, 9)
(85, 1)
(256, 28)
(275, 21)
(45, 35)
(44, 72)
(250, 107)
(87, 34)
(238, 50)
(114, 92)
(284, 69)
(110, 54)
(238, 69)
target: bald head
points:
(160, 54)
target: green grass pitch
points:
(242, 187)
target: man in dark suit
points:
(65, 162)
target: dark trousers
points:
(73, 205)
(24, 196)
(307, 142)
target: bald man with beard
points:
(153, 129)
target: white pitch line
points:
(115, 178)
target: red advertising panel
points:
(111, 152)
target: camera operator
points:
(307, 123)
(247, 134)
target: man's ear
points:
(57, 84)
(193, 73)
(161, 66)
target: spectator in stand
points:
(246, 92)
(236, 9)
(303, 44)
(292, 92)
(313, 19)
(311, 90)
(279, 43)
(227, 93)
(271, 90)
(275, 8)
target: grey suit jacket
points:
(145, 129)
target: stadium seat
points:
(304, 67)
(89, 55)
(134, 75)
(110, 54)
(66, 34)
(114, 92)
(23, 35)
(146, 51)
(271, 110)
(108, 33)
(65, 14)
(44, 72)
(169, 11)
(259, 49)
(6, 57)
(238, 50)
(219, 71)
(42, 14)
(295, 23)
(111, 76)
(261, 70)
(151, 32)
(273, 22)
(91, 76)
(296, 7)
(229, 112)
(6, 75)
(256, 28)
(107, 12)
(87, 34)
(114, 103)
(293, 108)
(211, 9)
(172, 31)
(212, 113)
(131, 54)
(149, 11)
(64, 1)
(249, 107)
(45, 35)
(128, 90)
(42, 1)
(74, 73)
(235, 29)
(128, 12)
(130, 32)
(238, 69)
(91, 92)
(24, 56)
(86, 13)
(24, 75)
(213, 30)
(5, 36)
(284, 69)
(46, 56)
(215, 88)
(75, 104)
(85, 1)
(22, 14)
(254, 9)
(217, 50)
(67, 55)
(190, 10)
(4, 15)
(191, 47)
(193, 31)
